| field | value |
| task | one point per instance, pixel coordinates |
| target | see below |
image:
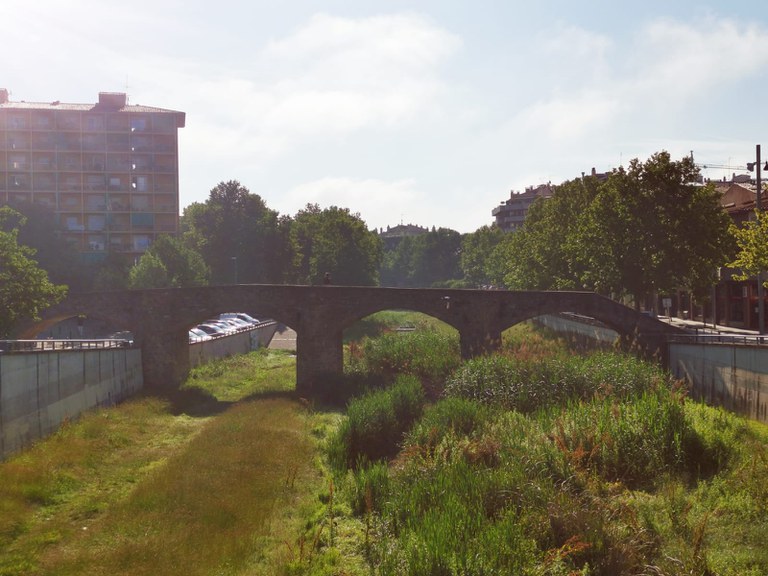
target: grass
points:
(211, 481)
(541, 462)
(614, 472)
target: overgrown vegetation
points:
(210, 481)
(614, 471)
(564, 464)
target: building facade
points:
(510, 214)
(109, 171)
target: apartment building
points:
(510, 214)
(109, 170)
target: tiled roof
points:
(82, 107)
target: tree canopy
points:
(645, 229)
(168, 263)
(752, 242)
(476, 248)
(333, 241)
(424, 260)
(25, 289)
(237, 235)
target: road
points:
(284, 339)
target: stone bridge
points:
(159, 319)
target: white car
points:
(241, 316)
(198, 335)
(214, 331)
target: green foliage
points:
(42, 232)
(237, 235)
(752, 241)
(168, 264)
(479, 490)
(184, 265)
(149, 272)
(456, 416)
(427, 354)
(334, 241)
(376, 424)
(370, 488)
(25, 289)
(423, 261)
(635, 442)
(476, 249)
(642, 230)
(531, 384)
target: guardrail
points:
(55, 345)
(730, 339)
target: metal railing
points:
(56, 345)
(719, 338)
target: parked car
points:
(198, 335)
(241, 315)
(238, 323)
(229, 327)
(212, 330)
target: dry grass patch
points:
(209, 509)
(202, 482)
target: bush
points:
(429, 355)
(371, 488)
(633, 441)
(527, 385)
(376, 424)
(450, 415)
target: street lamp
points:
(758, 208)
(234, 262)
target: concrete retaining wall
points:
(259, 337)
(585, 329)
(728, 375)
(732, 376)
(40, 390)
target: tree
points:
(59, 259)
(653, 229)
(436, 257)
(25, 289)
(185, 266)
(397, 264)
(334, 241)
(149, 272)
(234, 230)
(544, 254)
(476, 249)
(752, 242)
(643, 230)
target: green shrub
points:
(370, 488)
(376, 424)
(439, 522)
(527, 385)
(449, 415)
(633, 441)
(429, 355)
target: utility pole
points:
(758, 213)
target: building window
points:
(138, 124)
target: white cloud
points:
(376, 200)
(331, 78)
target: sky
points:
(422, 112)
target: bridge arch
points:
(159, 318)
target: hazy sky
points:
(423, 112)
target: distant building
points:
(510, 214)
(393, 235)
(108, 170)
